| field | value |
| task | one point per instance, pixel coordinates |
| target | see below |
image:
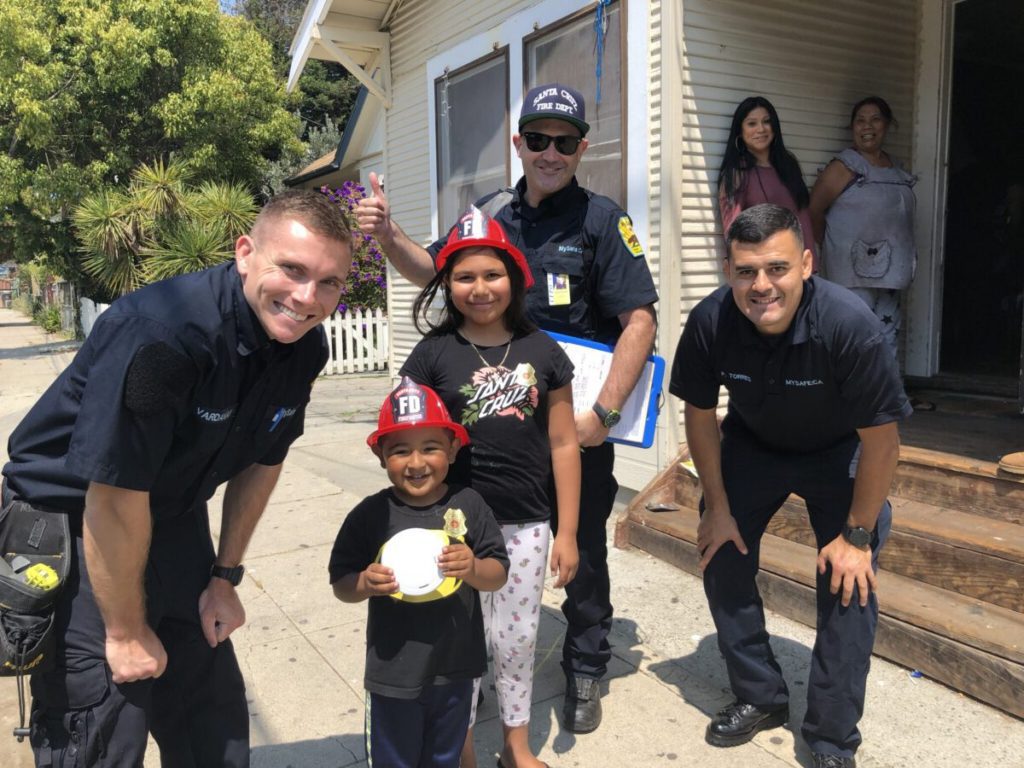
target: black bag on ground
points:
(34, 562)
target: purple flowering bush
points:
(366, 287)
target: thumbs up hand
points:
(373, 214)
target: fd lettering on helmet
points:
(409, 405)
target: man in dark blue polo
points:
(814, 401)
(592, 282)
(181, 386)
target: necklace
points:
(508, 347)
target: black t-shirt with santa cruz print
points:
(504, 408)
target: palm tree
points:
(104, 224)
(230, 205)
(186, 246)
(160, 227)
(160, 190)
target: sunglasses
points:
(564, 145)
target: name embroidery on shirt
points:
(804, 382)
(214, 417)
(736, 376)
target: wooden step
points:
(981, 625)
(993, 537)
(957, 482)
(930, 477)
(968, 644)
(977, 557)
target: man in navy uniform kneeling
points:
(814, 400)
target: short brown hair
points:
(312, 209)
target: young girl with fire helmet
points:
(509, 385)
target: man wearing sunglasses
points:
(592, 281)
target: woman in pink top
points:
(757, 168)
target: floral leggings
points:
(511, 617)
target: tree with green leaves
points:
(319, 142)
(324, 97)
(326, 91)
(91, 90)
(162, 226)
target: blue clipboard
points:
(591, 360)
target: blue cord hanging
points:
(600, 31)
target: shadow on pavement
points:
(627, 654)
(339, 751)
(703, 683)
(23, 353)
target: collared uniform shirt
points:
(588, 267)
(230, 397)
(811, 387)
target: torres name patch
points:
(629, 238)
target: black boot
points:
(739, 722)
(582, 711)
(822, 760)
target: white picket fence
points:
(356, 341)
(89, 310)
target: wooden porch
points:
(952, 573)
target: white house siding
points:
(420, 31)
(635, 467)
(423, 31)
(813, 60)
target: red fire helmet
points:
(476, 229)
(411, 406)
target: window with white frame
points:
(476, 88)
(573, 51)
(471, 116)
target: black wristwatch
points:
(609, 418)
(857, 536)
(232, 575)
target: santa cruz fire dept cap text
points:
(554, 102)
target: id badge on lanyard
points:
(559, 294)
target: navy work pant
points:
(588, 606)
(196, 710)
(757, 482)
(425, 732)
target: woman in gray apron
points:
(862, 208)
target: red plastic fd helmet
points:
(411, 406)
(476, 229)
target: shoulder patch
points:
(629, 238)
(158, 377)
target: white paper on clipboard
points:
(591, 363)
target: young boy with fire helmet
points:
(419, 550)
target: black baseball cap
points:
(555, 101)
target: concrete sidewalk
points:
(302, 651)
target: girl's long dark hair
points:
(738, 160)
(450, 318)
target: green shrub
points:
(23, 303)
(48, 318)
